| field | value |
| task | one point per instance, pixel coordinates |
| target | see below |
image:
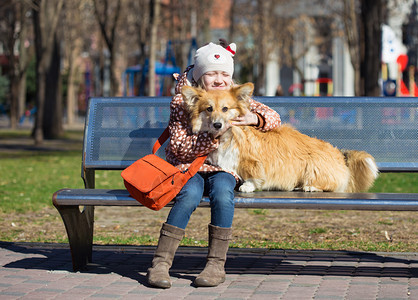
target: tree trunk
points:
(231, 36)
(23, 59)
(17, 64)
(73, 48)
(372, 18)
(46, 14)
(261, 41)
(109, 37)
(155, 15)
(11, 21)
(40, 76)
(351, 22)
(14, 92)
(52, 117)
(114, 82)
(21, 105)
(72, 91)
(38, 134)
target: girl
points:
(213, 70)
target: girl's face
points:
(216, 80)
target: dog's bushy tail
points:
(363, 170)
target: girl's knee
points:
(222, 197)
(190, 196)
(192, 191)
(189, 199)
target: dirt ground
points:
(348, 230)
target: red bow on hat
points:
(230, 50)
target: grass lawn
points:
(29, 177)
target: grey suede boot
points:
(214, 272)
(170, 237)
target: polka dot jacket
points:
(184, 146)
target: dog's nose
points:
(217, 125)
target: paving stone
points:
(43, 271)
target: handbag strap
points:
(161, 140)
(194, 166)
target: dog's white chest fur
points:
(226, 156)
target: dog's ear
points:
(243, 91)
(190, 95)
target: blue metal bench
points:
(118, 131)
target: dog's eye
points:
(225, 109)
(209, 109)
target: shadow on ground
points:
(133, 261)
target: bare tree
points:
(107, 14)
(73, 35)
(350, 17)
(371, 32)
(25, 53)
(275, 33)
(10, 14)
(140, 12)
(262, 21)
(155, 20)
(52, 125)
(362, 25)
(204, 9)
(14, 31)
(295, 43)
(179, 20)
(232, 13)
(46, 15)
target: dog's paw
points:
(247, 187)
(311, 189)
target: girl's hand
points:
(246, 120)
(249, 119)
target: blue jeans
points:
(219, 186)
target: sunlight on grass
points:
(27, 183)
(396, 183)
(29, 179)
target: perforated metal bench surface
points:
(118, 131)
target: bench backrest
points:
(118, 131)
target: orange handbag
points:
(153, 181)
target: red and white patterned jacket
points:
(184, 146)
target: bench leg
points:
(79, 227)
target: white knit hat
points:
(214, 57)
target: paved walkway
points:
(43, 271)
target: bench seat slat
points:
(271, 199)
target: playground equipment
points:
(135, 77)
(329, 86)
(397, 87)
(130, 76)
